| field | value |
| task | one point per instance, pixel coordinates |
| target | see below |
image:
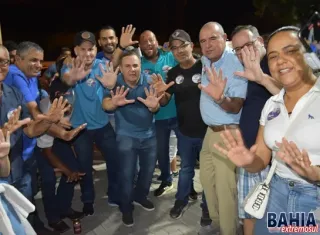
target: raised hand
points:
(77, 71)
(119, 98)
(235, 149)
(69, 135)
(298, 160)
(216, 85)
(4, 144)
(251, 61)
(14, 123)
(152, 101)
(109, 76)
(56, 111)
(159, 85)
(126, 36)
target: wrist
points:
(221, 100)
(121, 47)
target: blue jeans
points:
(56, 204)
(288, 196)
(105, 140)
(189, 149)
(129, 149)
(163, 129)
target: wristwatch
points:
(121, 48)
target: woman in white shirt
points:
(294, 114)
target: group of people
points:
(231, 110)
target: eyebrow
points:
(284, 48)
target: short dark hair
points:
(128, 53)
(284, 29)
(25, 46)
(10, 45)
(251, 28)
(107, 27)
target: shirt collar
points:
(206, 61)
(279, 97)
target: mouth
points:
(285, 71)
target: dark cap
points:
(84, 36)
(181, 35)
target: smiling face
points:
(30, 62)
(148, 44)
(286, 59)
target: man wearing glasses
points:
(182, 81)
(249, 48)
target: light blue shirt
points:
(165, 62)
(87, 106)
(211, 112)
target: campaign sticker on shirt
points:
(166, 68)
(196, 78)
(273, 114)
(179, 79)
(147, 71)
(91, 82)
(10, 113)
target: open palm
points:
(235, 149)
(77, 71)
(159, 85)
(109, 76)
(119, 98)
(152, 101)
(216, 85)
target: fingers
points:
(146, 91)
(221, 149)
(239, 138)
(210, 74)
(130, 101)
(117, 70)
(76, 131)
(24, 122)
(112, 94)
(141, 100)
(121, 91)
(225, 140)
(102, 70)
(154, 78)
(117, 91)
(160, 97)
(231, 140)
(7, 136)
(2, 139)
(125, 92)
(306, 158)
(54, 104)
(171, 84)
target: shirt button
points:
(291, 183)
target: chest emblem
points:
(179, 79)
(196, 78)
(273, 114)
(91, 82)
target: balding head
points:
(4, 62)
(215, 26)
(212, 40)
(148, 44)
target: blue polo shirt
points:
(87, 106)
(134, 120)
(100, 56)
(30, 91)
(211, 112)
(12, 99)
(165, 62)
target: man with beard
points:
(158, 61)
(108, 42)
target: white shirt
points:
(304, 132)
(45, 141)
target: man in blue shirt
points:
(158, 61)
(89, 77)
(221, 101)
(134, 104)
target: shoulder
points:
(12, 92)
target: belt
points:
(223, 127)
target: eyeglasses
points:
(4, 63)
(182, 46)
(237, 50)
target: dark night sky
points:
(34, 21)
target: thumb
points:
(141, 100)
(171, 84)
(239, 74)
(135, 42)
(253, 149)
(81, 173)
(130, 101)
(200, 86)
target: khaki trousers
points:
(218, 179)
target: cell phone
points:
(309, 35)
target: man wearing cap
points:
(158, 61)
(182, 81)
(89, 77)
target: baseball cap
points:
(181, 35)
(84, 36)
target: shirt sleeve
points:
(45, 141)
(65, 68)
(264, 113)
(236, 86)
(169, 79)
(21, 84)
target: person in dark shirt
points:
(182, 81)
(249, 47)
